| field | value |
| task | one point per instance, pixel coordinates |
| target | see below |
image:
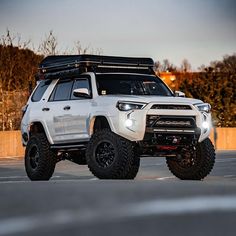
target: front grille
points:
(171, 107)
(154, 121)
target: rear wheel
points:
(110, 156)
(40, 161)
(195, 164)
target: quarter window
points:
(40, 90)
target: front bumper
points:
(139, 129)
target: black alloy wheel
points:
(193, 164)
(34, 156)
(105, 154)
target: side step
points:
(69, 147)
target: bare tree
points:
(96, 51)
(22, 44)
(7, 40)
(168, 66)
(49, 45)
(227, 65)
(157, 66)
(12, 40)
(78, 49)
(202, 68)
(185, 66)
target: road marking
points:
(225, 160)
(151, 165)
(154, 178)
(183, 206)
(12, 177)
(229, 176)
(93, 179)
(56, 176)
(172, 207)
(164, 178)
(13, 181)
(57, 179)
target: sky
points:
(198, 30)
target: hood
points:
(152, 99)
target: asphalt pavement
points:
(74, 202)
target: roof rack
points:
(68, 65)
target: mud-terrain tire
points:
(109, 156)
(200, 166)
(134, 168)
(40, 161)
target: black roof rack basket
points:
(68, 65)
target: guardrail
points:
(10, 144)
(224, 138)
(10, 141)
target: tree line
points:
(215, 83)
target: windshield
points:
(131, 84)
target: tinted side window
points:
(62, 91)
(80, 83)
(40, 90)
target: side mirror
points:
(179, 94)
(81, 92)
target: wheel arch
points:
(99, 122)
(39, 127)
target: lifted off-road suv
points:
(107, 112)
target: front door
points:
(68, 118)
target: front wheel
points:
(195, 164)
(110, 156)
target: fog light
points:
(205, 125)
(128, 123)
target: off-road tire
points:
(122, 155)
(135, 165)
(43, 168)
(205, 159)
(134, 168)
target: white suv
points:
(108, 112)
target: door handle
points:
(45, 109)
(66, 108)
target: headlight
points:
(127, 106)
(204, 107)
